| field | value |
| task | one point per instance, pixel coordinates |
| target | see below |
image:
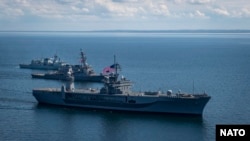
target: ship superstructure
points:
(53, 63)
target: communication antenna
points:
(193, 86)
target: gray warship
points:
(116, 94)
(82, 72)
(53, 63)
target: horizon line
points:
(144, 31)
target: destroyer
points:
(83, 72)
(116, 95)
(53, 63)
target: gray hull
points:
(61, 76)
(152, 104)
(39, 67)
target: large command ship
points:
(116, 94)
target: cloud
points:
(194, 14)
(13, 12)
(194, 2)
(200, 14)
(80, 9)
(96, 8)
(121, 12)
(113, 9)
(137, 9)
(246, 11)
(241, 13)
(200, 1)
(132, 8)
(232, 12)
(222, 12)
(10, 11)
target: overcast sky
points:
(84, 15)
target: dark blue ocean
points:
(217, 63)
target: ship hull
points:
(60, 76)
(39, 67)
(151, 104)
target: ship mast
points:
(115, 65)
(83, 59)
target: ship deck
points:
(97, 91)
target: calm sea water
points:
(217, 63)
